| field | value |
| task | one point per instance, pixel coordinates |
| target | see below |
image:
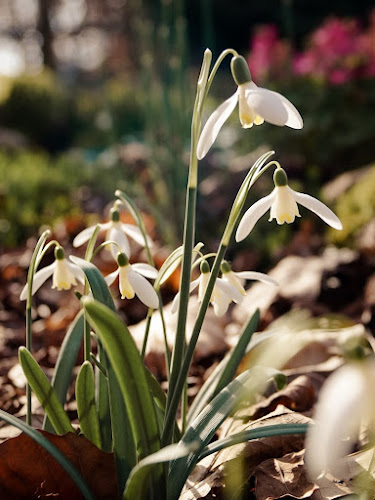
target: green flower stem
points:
(35, 260)
(176, 390)
(220, 59)
(189, 228)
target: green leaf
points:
(66, 362)
(85, 396)
(44, 392)
(203, 428)
(56, 453)
(250, 434)
(102, 401)
(225, 371)
(97, 283)
(136, 486)
(131, 376)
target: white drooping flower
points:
(64, 274)
(227, 289)
(132, 281)
(255, 104)
(345, 401)
(283, 204)
(116, 231)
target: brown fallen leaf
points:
(299, 395)
(28, 471)
(286, 476)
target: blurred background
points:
(97, 95)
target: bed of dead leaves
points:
(338, 286)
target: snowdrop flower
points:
(116, 231)
(132, 281)
(283, 204)
(222, 295)
(236, 278)
(345, 401)
(255, 104)
(64, 274)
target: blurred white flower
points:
(255, 104)
(116, 231)
(283, 204)
(64, 274)
(132, 281)
(345, 401)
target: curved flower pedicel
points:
(64, 274)
(116, 231)
(345, 401)
(255, 104)
(132, 281)
(283, 204)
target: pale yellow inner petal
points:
(247, 115)
(204, 277)
(284, 208)
(62, 278)
(126, 289)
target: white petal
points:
(77, 271)
(221, 303)
(229, 290)
(253, 214)
(145, 270)
(338, 415)
(274, 107)
(318, 208)
(110, 278)
(116, 234)
(193, 285)
(85, 235)
(135, 233)
(214, 124)
(39, 278)
(143, 289)
(253, 275)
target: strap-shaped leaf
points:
(225, 371)
(136, 487)
(126, 362)
(65, 363)
(203, 428)
(44, 392)
(97, 283)
(85, 396)
(56, 453)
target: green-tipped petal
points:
(39, 278)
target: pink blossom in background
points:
(269, 54)
(339, 51)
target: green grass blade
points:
(44, 392)
(203, 428)
(238, 353)
(225, 371)
(65, 363)
(55, 452)
(86, 407)
(250, 434)
(136, 487)
(97, 283)
(131, 376)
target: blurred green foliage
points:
(36, 189)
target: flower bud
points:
(114, 214)
(240, 70)
(225, 267)
(59, 253)
(205, 268)
(122, 259)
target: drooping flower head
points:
(132, 281)
(255, 104)
(64, 274)
(283, 204)
(115, 231)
